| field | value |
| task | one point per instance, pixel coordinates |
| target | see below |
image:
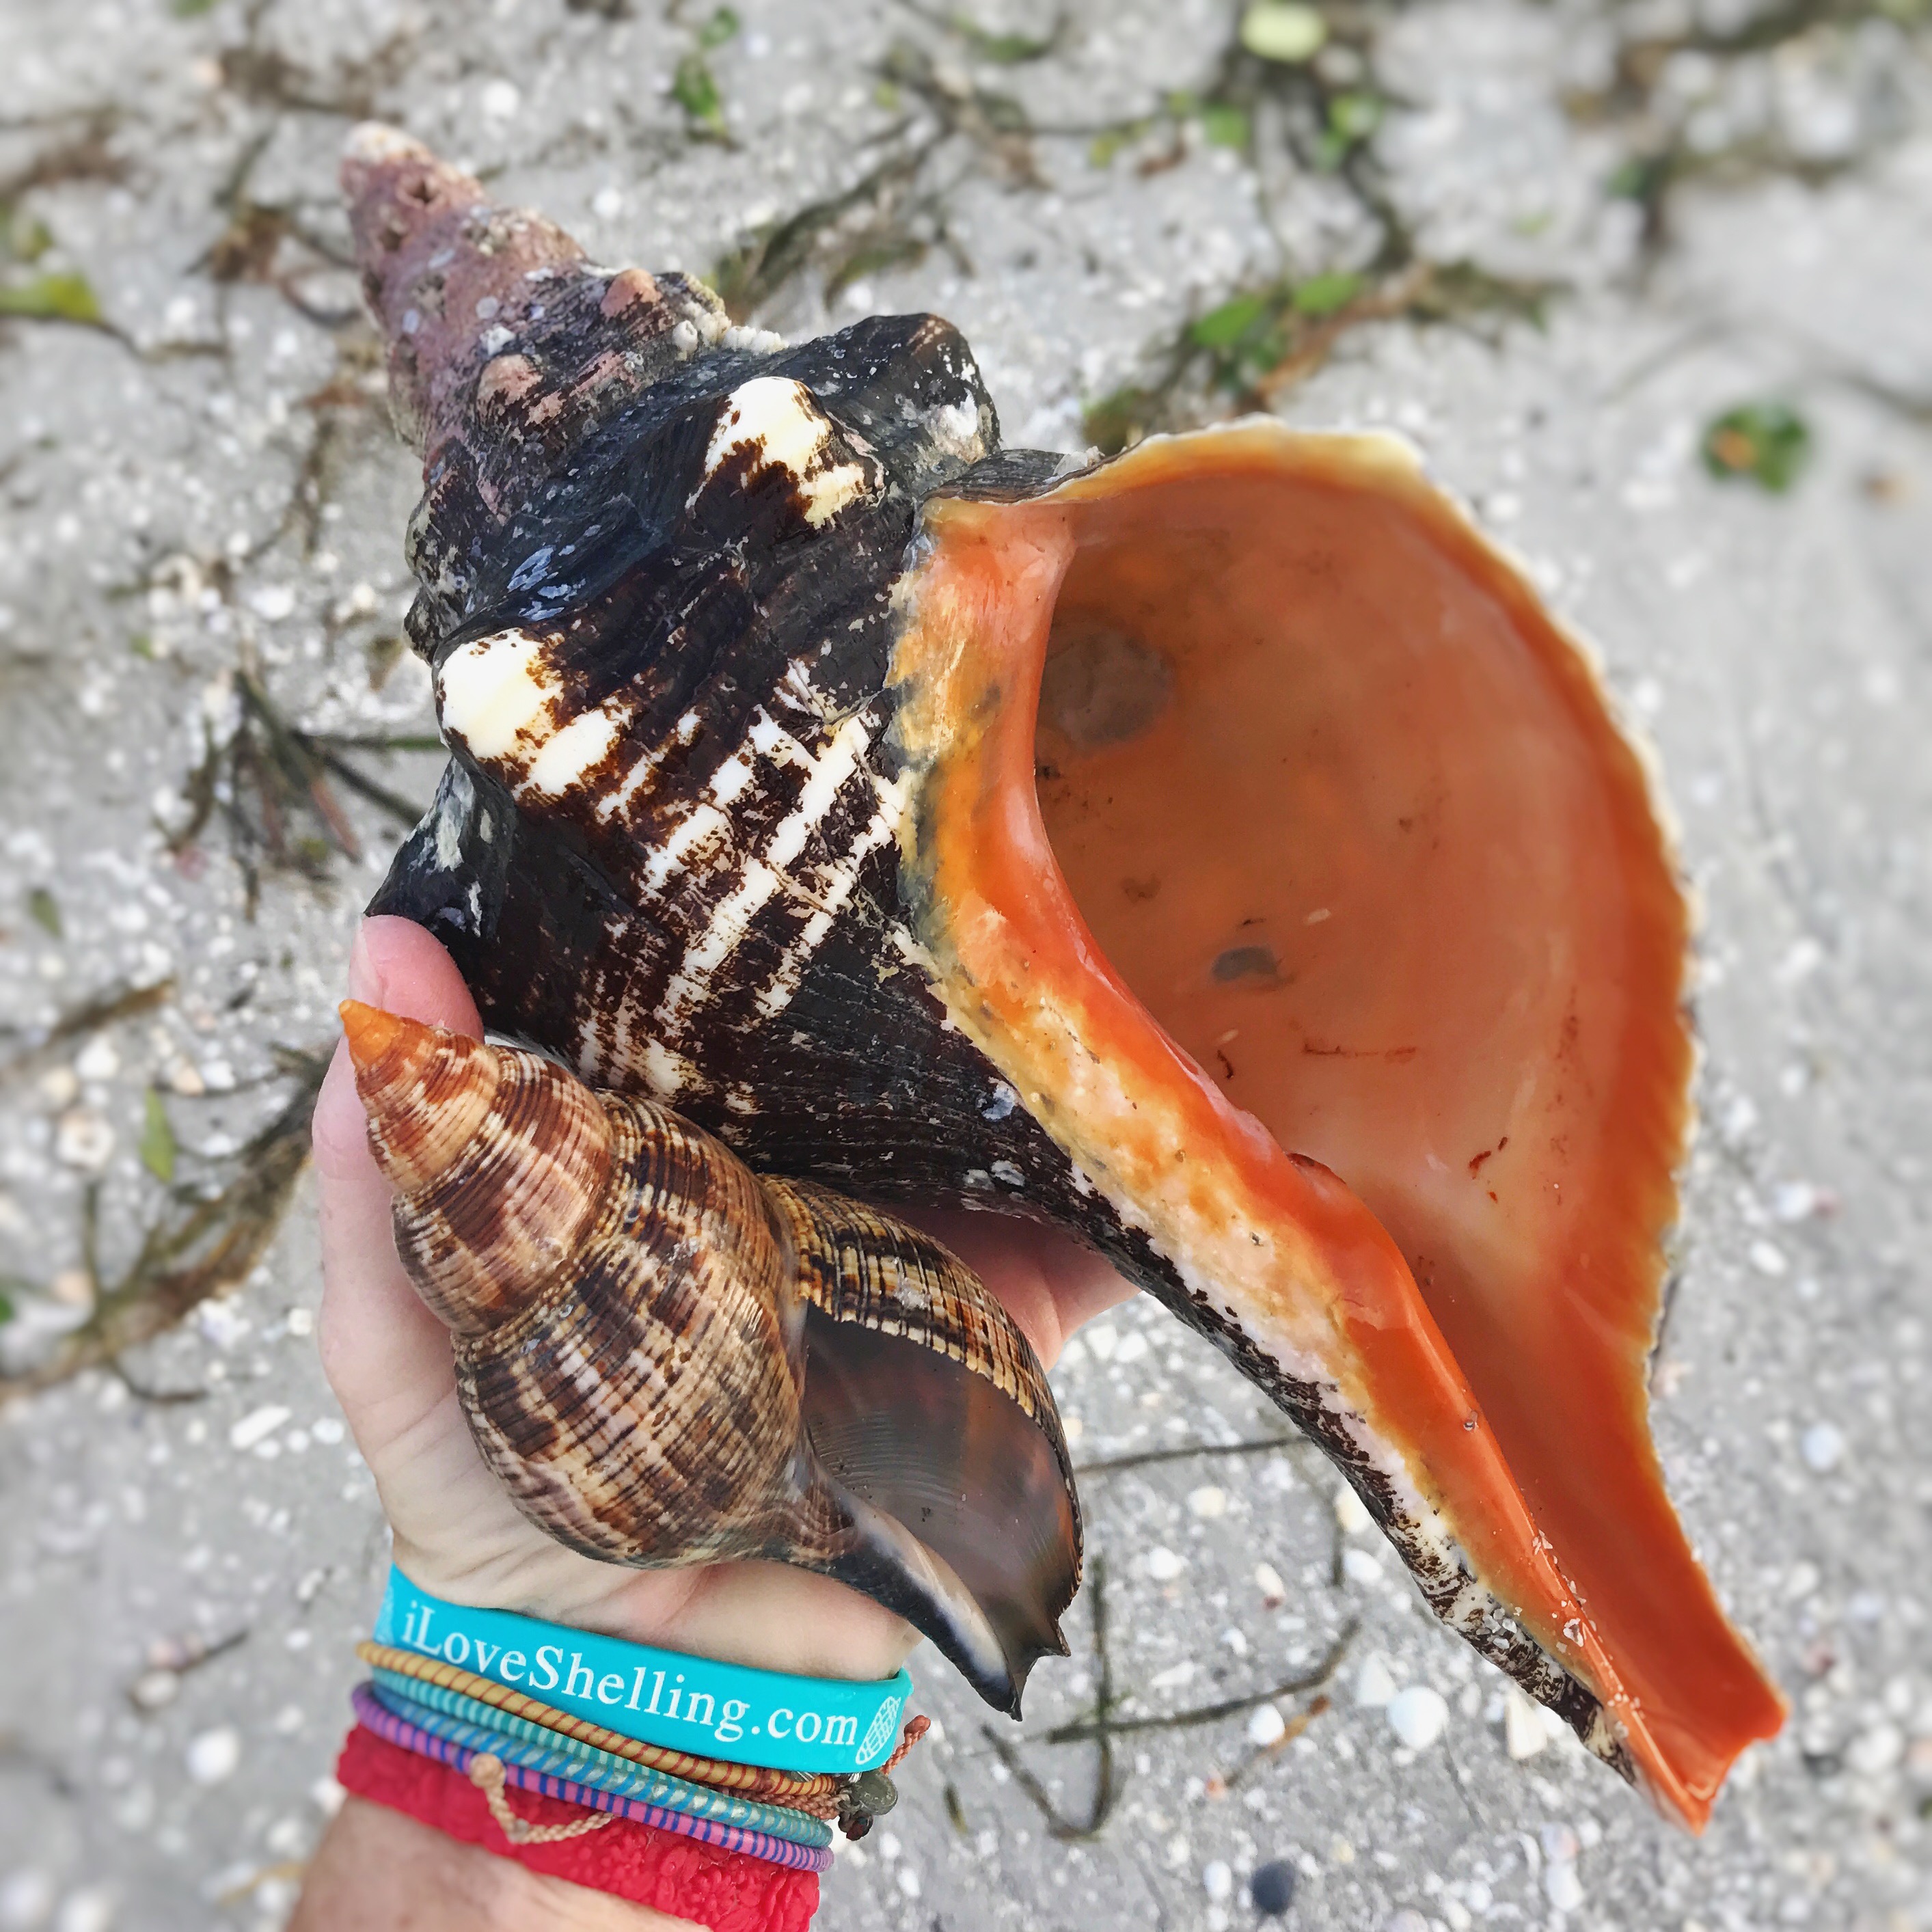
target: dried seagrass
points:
(1218, 852)
(667, 1360)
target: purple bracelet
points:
(375, 1716)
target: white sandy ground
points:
(1780, 651)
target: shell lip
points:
(933, 1432)
(880, 1559)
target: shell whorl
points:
(780, 791)
(499, 1159)
(647, 1411)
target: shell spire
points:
(499, 1168)
(667, 1360)
(504, 342)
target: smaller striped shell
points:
(668, 1360)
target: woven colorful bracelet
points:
(462, 1720)
(787, 1787)
(392, 1730)
(683, 1877)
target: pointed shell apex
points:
(374, 141)
(370, 1032)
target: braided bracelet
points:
(683, 1877)
(463, 1720)
(374, 1717)
(756, 1781)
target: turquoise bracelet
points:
(693, 1704)
(462, 1720)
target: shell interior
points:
(1269, 790)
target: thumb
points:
(385, 1355)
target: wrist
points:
(379, 1871)
(768, 1616)
(633, 1853)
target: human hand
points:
(457, 1534)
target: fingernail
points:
(365, 983)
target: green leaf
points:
(722, 26)
(187, 9)
(1222, 328)
(1240, 367)
(1355, 117)
(1768, 442)
(1638, 179)
(44, 910)
(694, 90)
(61, 297)
(23, 237)
(6, 1307)
(1119, 420)
(1323, 294)
(1003, 49)
(1224, 127)
(158, 1140)
(1283, 31)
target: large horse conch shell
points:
(1218, 852)
(666, 1360)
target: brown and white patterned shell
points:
(667, 1360)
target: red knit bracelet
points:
(727, 1891)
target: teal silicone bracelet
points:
(690, 1704)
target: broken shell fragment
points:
(1218, 853)
(666, 1361)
